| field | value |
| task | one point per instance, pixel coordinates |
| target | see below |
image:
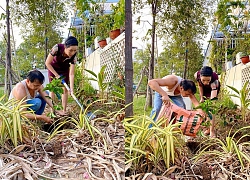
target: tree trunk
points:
(186, 61)
(45, 34)
(157, 57)
(8, 75)
(149, 99)
(139, 83)
(46, 47)
(128, 60)
(15, 77)
(18, 76)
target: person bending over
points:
(31, 89)
(171, 87)
(61, 62)
(209, 88)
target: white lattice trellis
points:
(245, 76)
(113, 55)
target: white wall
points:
(45, 73)
(93, 63)
(105, 56)
(188, 103)
(233, 78)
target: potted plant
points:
(119, 19)
(243, 46)
(244, 57)
(103, 25)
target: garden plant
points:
(77, 146)
(163, 152)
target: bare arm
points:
(200, 88)
(19, 93)
(194, 100)
(42, 117)
(49, 66)
(72, 77)
(169, 81)
(44, 94)
(156, 84)
(214, 87)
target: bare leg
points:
(212, 130)
(64, 99)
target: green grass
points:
(139, 104)
(1, 91)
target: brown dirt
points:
(67, 156)
(209, 167)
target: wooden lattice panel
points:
(246, 77)
(112, 55)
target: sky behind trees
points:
(16, 29)
(139, 30)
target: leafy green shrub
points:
(79, 78)
(156, 145)
(227, 109)
(119, 95)
(227, 149)
(209, 107)
(86, 91)
(55, 86)
(12, 118)
(225, 100)
(243, 96)
(84, 122)
(119, 14)
(99, 78)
